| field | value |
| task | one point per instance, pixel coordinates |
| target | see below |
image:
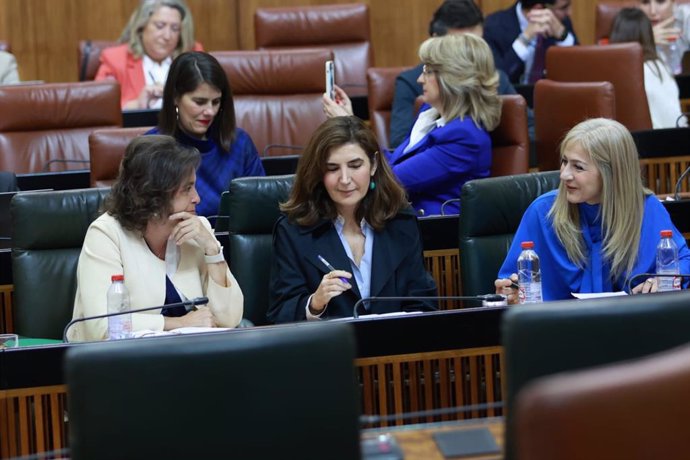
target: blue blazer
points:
(500, 31)
(296, 272)
(406, 92)
(435, 170)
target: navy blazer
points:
(435, 169)
(296, 272)
(500, 31)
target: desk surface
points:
(417, 442)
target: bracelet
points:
(214, 259)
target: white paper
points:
(595, 295)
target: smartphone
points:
(330, 79)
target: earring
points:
(372, 185)
(177, 113)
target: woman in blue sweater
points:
(601, 227)
(198, 111)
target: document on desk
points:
(596, 295)
(178, 331)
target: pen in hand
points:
(330, 267)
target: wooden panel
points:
(216, 23)
(6, 317)
(32, 420)
(444, 266)
(428, 381)
(661, 174)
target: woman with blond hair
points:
(157, 32)
(600, 227)
(449, 143)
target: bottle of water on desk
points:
(667, 263)
(672, 56)
(119, 327)
(529, 274)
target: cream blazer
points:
(109, 250)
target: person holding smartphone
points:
(449, 143)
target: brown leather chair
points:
(89, 53)
(46, 127)
(635, 410)
(605, 14)
(510, 141)
(106, 149)
(381, 86)
(277, 95)
(559, 106)
(343, 28)
(621, 64)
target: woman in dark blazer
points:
(348, 232)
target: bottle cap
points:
(666, 233)
(527, 244)
(117, 278)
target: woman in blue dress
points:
(600, 227)
(198, 111)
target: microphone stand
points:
(189, 305)
(676, 195)
(629, 283)
(485, 297)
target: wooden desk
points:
(417, 442)
(404, 364)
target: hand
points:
(540, 23)
(331, 286)
(190, 228)
(664, 30)
(340, 107)
(649, 285)
(203, 317)
(503, 287)
(149, 95)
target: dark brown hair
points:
(187, 72)
(309, 200)
(633, 25)
(152, 171)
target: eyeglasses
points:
(428, 71)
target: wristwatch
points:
(214, 259)
(523, 39)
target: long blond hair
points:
(613, 152)
(467, 77)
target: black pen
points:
(514, 285)
(330, 267)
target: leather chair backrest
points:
(510, 141)
(623, 410)
(48, 230)
(605, 14)
(277, 94)
(381, 86)
(252, 204)
(554, 337)
(240, 391)
(343, 28)
(620, 63)
(558, 106)
(89, 57)
(106, 150)
(46, 127)
(491, 212)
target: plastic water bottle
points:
(529, 274)
(667, 262)
(672, 56)
(119, 327)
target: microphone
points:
(676, 195)
(189, 305)
(375, 419)
(496, 299)
(629, 283)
